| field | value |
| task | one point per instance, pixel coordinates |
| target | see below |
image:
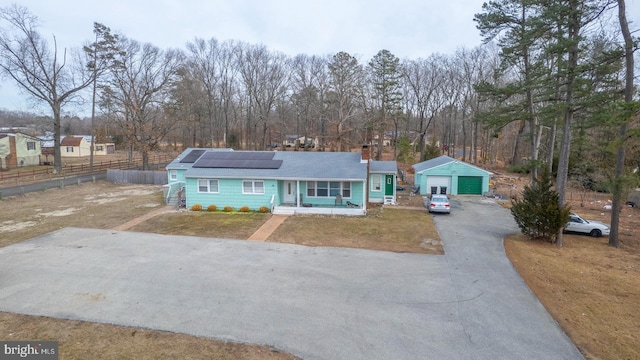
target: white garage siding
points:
(438, 185)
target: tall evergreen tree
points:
(385, 73)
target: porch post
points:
(364, 193)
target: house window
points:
(322, 188)
(253, 187)
(69, 148)
(99, 148)
(207, 186)
(173, 175)
(31, 145)
(376, 182)
(328, 189)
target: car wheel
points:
(595, 233)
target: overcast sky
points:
(407, 28)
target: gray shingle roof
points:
(295, 165)
(383, 167)
(439, 161)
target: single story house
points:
(18, 149)
(446, 175)
(286, 182)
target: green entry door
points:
(470, 185)
(388, 185)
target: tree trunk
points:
(572, 63)
(618, 189)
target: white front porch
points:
(317, 210)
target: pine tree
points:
(538, 213)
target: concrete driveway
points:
(317, 303)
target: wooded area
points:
(549, 80)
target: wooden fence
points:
(31, 175)
(137, 177)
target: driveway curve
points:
(314, 302)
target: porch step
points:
(388, 200)
(284, 210)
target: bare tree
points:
(265, 81)
(140, 83)
(203, 61)
(426, 78)
(38, 69)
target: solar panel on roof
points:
(238, 164)
(192, 156)
(238, 160)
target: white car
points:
(579, 225)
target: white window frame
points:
(257, 187)
(31, 145)
(208, 183)
(344, 189)
(69, 149)
(376, 179)
(173, 174)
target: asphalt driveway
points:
(317, 303)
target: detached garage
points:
(445, 175)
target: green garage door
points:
(470, 185)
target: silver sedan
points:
(439, 204)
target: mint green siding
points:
(376, 194)
(456, 170)
(179, 175)
(230, 194)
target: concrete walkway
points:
(129, 224)
(263, 233)
(314, 302)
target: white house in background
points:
(74, 146)
(78, 146)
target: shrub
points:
(228, 208)
(264, 209)
(212, 208)
(244, 209)
(538, 213)
(196, 207)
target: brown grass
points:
(591, 289)
(385, 229)
(84, 340)
(204, 223)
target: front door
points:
(289, 192)
(388, 185)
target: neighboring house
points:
(18, 149)
(286, 182)
(446, 175)
(300, 141)
(100, 148)
(74, 146)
